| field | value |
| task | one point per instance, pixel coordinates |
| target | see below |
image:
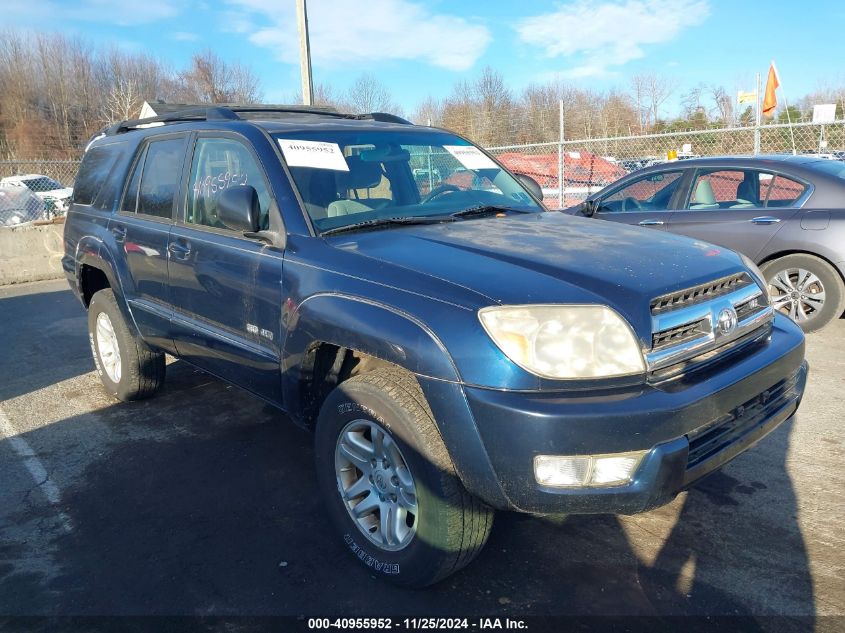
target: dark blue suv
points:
(455, 348)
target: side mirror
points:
(238, 208)
(532, 185)
(589, 208)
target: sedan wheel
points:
(805, 288)
(797, 292)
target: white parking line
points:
(35, 467)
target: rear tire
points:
(806, 288)
(443, 527)
(128, 369)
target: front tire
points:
(390, 485)
(128, 369)
(806, 288)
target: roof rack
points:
(230, 113)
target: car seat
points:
(746, 194)
(361, 175)
(704, 198)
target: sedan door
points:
(739, 208)
(646, 201)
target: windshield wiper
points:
(359, 226)
(485, 209)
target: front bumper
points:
(689, 426)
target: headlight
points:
(757, 274)
(565, 341)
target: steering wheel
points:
(633, 202)
(438, 191)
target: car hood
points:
(544, 258)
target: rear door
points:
(141, 230)
(740, 208)
(646, 201)
(226, 288)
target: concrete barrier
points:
(31, 253)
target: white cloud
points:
(354, 32)
(184, 36)
(598, 36)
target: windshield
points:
(347, 177)
(42, 184)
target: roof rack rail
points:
(230, 113)
(384, 117)
(218, 113)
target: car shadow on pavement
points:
(203, 501)
(44, 341)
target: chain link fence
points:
(588, 165)
(37, 189)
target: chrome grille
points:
(680, 334)
(700, 294)
(705, 322)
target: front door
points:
(226, 288)
(646, 201)
(741, 209)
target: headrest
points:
(361, 174)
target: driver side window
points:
(218, 164)
(652, 192)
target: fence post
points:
(560, 157)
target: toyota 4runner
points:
(455, 348)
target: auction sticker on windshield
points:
(313, 154)
(470, 157)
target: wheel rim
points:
(107, 347)
(797, 292)
(376, 485)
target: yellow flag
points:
(746, 97)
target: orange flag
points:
(770, 100)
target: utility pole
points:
(304, 53)
(757, 118)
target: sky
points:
(419, 49)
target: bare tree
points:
(723, 104)
(368, 94)
(212, 80)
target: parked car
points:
(787, 213)
(18, 205)
(455, 352)
(55, 195)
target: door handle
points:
(650, 223)
(765, 219)
(179, 248)
(119, 232)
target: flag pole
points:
(785, 103)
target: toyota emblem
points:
(726, 321)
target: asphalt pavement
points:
(203, 501)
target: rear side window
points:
(94, 172)
(155, 179)
(783, 192)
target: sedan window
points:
(649, 193)
(742, 189)
(783, 192)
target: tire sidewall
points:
(103, 302)
(418, 563)
(826, 273)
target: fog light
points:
(586, 470)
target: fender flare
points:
(366, 326)
(90, 253)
